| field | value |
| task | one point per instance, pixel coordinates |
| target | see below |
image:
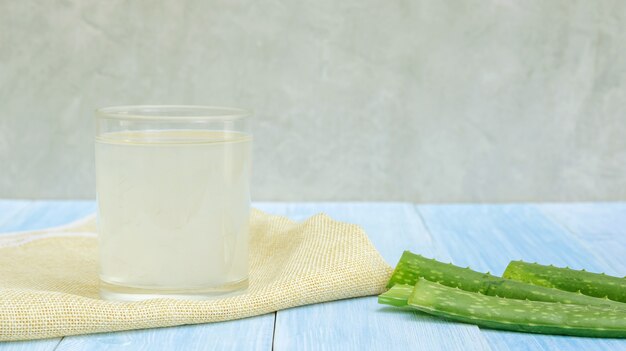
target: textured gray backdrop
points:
(428, 101)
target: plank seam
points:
(274, 329)
(58, 343)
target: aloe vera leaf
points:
(591, 284)
(517, 315)
(411, 267)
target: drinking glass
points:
(173, 189)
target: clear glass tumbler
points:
(173, 188)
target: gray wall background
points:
(426, 101)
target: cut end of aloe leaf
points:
(396, 296)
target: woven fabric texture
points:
(49, 279)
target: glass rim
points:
(160, 113)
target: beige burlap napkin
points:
(49, 279)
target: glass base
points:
(123, 293)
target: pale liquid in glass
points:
(173, 208)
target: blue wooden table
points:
(485, 237)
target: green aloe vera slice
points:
(510, 314)
(411, 267)
(587, 283)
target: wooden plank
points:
(362, 324)
(10, 208)
(601, 227)
(30, 215)
(46, 214)
(34, 345)
(487, 237)
(246, 334)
